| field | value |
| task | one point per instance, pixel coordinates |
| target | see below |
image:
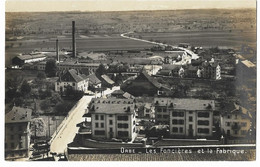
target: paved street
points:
(69, 129)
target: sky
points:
(121, 5)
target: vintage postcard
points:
(130, 80)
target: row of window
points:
(181, 121)
(122, 126)
(19, 128)
(119, 133)
(162, 116)
(120, 118)
(177, 130)
(101, 125)
(243, 124)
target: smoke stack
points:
(57, 51)
(73, 40)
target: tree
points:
(51, 68)
(41, 76)
(101, 70)
(55, 98)
(45, 105)
(25, 88)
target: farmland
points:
(99, 31)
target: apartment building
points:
(17, 133)
(185, 117)
(113, 118)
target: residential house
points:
(235, 121)
(17, 133)
(145, 85)
(71, 78)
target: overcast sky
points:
(122, 5)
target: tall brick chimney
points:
(73, 40)
(57, 51)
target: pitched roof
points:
(18, 114)
(107, 79)
(185, 103)
(72, 76)
(111, 106)
(31, 56)
(153, 81)
(93, 79)
(233, 108)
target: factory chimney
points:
(73, 40)
(57, 51)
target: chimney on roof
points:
(57, 51)
(73, 40)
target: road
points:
(192, 54)
(68, 131)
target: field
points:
(101, 31)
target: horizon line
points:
(136, 10)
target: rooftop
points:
(107, 79)
(18, 114)
(72, 76)
(93, 79)
(112, 106)
(185, 103)
(31, 56)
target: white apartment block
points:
(186, 117)
(113, 118)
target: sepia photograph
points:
(130, 80)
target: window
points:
(102, 125)
(20, 128)
(102, 117)
(190, 119)
(110, 115)
(122, 126)
(236, 116)
(110, 129)
(159, 110)
(122, 133)
(122, 118)
(174, 129)
(12, 137)
(99, 132)
(228, 116)
(181, 129)
(243, 124)
(134, 130)
(96, 125)
(73, 84)
(159, 116)
(11, 128)
(178, 121)
(110, 122)
(243, 132)
(227, 123)
(134, 122)
(6, 145)
(177, 114)
(165, 116)
(96, 117)
(203, 130)
(164, 110)
(201, 122)
(203, 114)
(235, 132)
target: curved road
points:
(193, 55)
